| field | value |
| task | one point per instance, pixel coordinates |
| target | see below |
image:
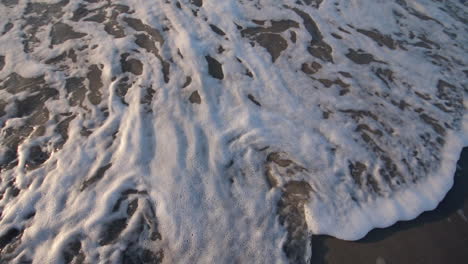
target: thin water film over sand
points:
(217, 131)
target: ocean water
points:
(216, 131)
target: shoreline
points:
(437, 236)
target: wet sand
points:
(439, 236)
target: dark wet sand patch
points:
(98, 18)
(148, 98)
(217, 30)
(122, 88)
(252, 98)
(39, 15)
(14, 235)
(147, 41)
(30, 104)
(144, 41)
(247, 70)
(311, 68)
(112, 231)
(10, 3)
(112, 25)
(95, 84)
(188, 81)
(215, 68)
(76, 90)
(8, 236)
(62, 57)
(428, 42)
(379, 38)
(365, 127)
(80, 13)
(360, 57)
(344, 30)
(313, 3)
(2, 62)
(36, 157)
(73, 253)
(138, 25)
(8, 26)
(16, 83)
(249, 73)
(293, 36)
(433, 123)
(62, 32)
(114, 29)
(345, 74)
(269, 37)
(273, 43)
(318, 47)
(277, 26)
(321, 51)
(131, 65)
(328, 83)
(310, 25)
(195, 98)
(3, 104)
(336, 36)
(198, 3)
(276, 158)
(385, 75)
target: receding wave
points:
(216, 131)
